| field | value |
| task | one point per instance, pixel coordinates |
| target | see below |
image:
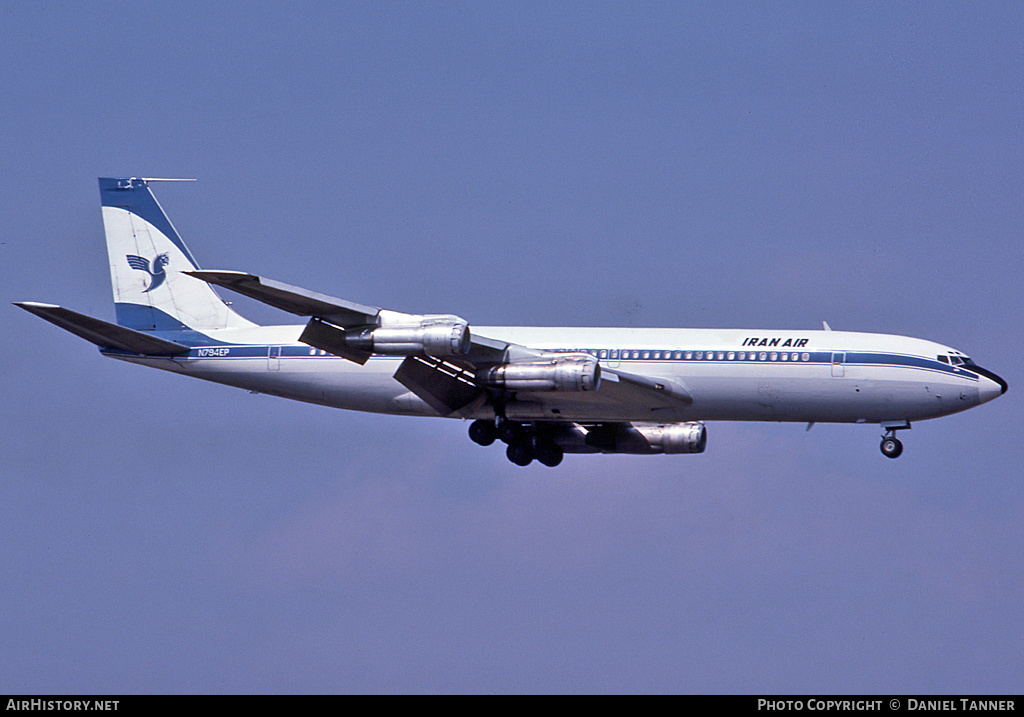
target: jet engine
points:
(562, 373)
(676, 437)
(647, 439)
(440, 339)
(429, 337)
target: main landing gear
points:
(891, 445)
(525, 443)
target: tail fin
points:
(147, 258)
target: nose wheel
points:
(891, 445)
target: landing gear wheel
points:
(520, 453)
(511, 432)
(549, 454)
(891, 447)
(483, 432)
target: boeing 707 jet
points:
(543, 391)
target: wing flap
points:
(443, 386)
(103, 334)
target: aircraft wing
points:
(449, 387)
(618, 393)
(448, 384)
(633, 387)
(291, 298)
(328, 312)
(103, 334)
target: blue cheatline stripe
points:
(134, 195)
(817, 358)
(881, 359)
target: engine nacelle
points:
(562, 373)
(436, 339)
(647, 439)
(676, 437)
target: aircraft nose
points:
(990, 386)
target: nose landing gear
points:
(891, 445)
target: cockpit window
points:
(955, 360)
(944, 359)
(968, 362)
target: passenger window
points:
(784, 357)
(731, 355)
(774, 356)
(615, 354)
(763, 356)
(699, 355)
(805, 357)
(689, 355)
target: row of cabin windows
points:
(630, 355)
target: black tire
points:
(510, 432)
(483, 432)
(520, 453)
(549, 454)
(891, 447)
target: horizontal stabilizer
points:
(291, 298)
(104, 334)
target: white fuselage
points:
(732, 375)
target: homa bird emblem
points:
(157, 274)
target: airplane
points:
(543, 391)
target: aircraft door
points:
(274, 358)
(838, 365)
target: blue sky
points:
(726, 165)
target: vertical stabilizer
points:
(146, 260)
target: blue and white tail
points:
(146, 260)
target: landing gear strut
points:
(891, 445)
